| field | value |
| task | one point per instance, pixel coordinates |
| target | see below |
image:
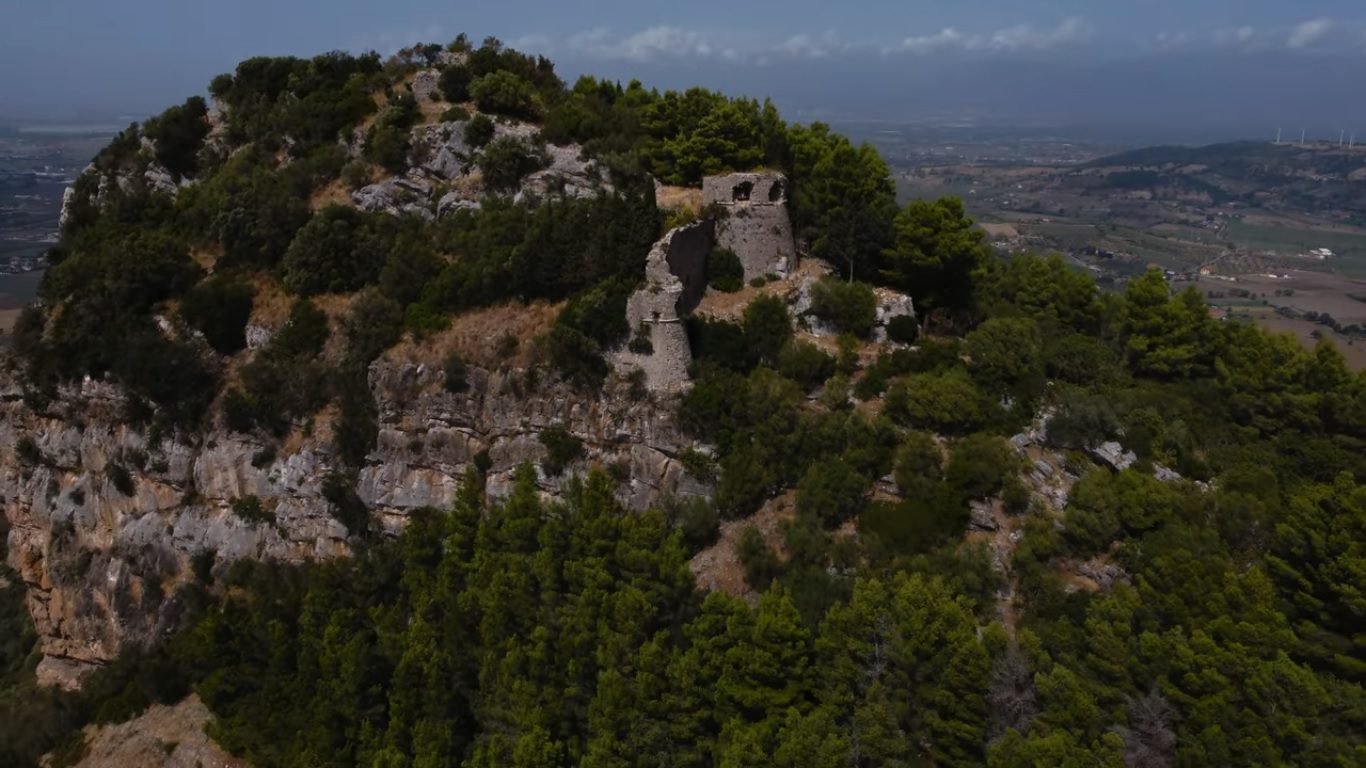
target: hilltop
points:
(431, 411)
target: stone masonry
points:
(757, 227)
(675, 280)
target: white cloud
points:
(1022, 37)
(1245, 38)
(1071, 31)
(1309, 33)
(947, 37)
(1169, 40)
(653, 43)
(808, 47)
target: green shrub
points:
(847, 361)
(483, 462)
(919, 465)
(219, 308)
(640, 343)
(456, 376)
(831, 492)
(201, 565)
(945, 402)
(504, 93)
(561, 447)
(696, 518)
(806, 364)
(411, 265)
(264, 456)
(479, 131)
(178, 134)
(914, 526)
(767, 327)
(29, 453)
(758, 282)
(374, 324)
(356, 174)
(576, 356)
(1082, 420)
(599, 312)
(304, 334)
(1016, 495)
(387, 146)
(760, 562)
(698, 464)
(850, 307)
(339, 489)
(335, 252)
(903, 329)
(506, 161)
(454, 83)
(725, 273)
(1005, 352)
(456, 114)
(389, 139)
(250, 509)
(979, 464)
(357, 429)
(119, 477)
(506, 346)
(718, 342)
(423, 320)
(284, 380)
(888, 366)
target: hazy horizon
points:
(1164, 72)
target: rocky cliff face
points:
(106, 518)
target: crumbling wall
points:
(675, 280)
(686, 256)
(757, 226)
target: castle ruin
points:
(756, 228)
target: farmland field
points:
(1349, 249)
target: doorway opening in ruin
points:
(742, 191)
(775, 192)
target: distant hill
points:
(1312, 179)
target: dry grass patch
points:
(718, 567)
(270, 307)
(7, 319)
(678, 198)
(476, 336)
(206, 258)
(335, 192)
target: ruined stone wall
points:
(686, 256)
(675, 279)
(757, 226)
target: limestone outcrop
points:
(443, 174)
(107, 519)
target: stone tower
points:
(757, 227)
(675, 279)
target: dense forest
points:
(527, 632)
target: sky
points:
(1239, 68)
